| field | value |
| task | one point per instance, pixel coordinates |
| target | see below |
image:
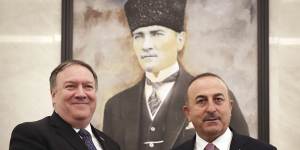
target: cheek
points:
(92, 96)
(67, 95)
(166, 43)
(62, 96)
(137, 46)
(62, 100)
(226, 114)
(168, 49)
(197, 113)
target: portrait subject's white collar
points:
(163, 74)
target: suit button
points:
(152, 129)
(151, 145)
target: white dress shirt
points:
(222, 142)
(164, 89)
(94, 139)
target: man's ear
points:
(53, 94)
(231, 103)
(186, 111)
(180, 40)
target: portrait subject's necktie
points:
(154, 101)
(210, 146)
(87, 138)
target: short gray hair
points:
(66, 64)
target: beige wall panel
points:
(30, 49)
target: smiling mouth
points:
(79, 103)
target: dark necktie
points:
(87, 138)
(210, 146)
(154, 101)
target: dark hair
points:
(206, 74)
(209, 74)
(66, 64)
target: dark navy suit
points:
(238, 142)
(53, 133)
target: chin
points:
(213, 129)
(148, 69)
(151, 67)
(82, 115)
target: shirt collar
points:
(163, 74)
(87, 128)
(222, 142)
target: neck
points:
(75, 122)
(162, 74)
(79, 124)
(211, 137)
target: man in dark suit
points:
(149, 114)
(73, 87)
(209, 108)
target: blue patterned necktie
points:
(87, 138)
(154, 101)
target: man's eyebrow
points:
(69, 82)
(200, 96)
(137, 33)
(74, 82)
(219, 94)
(155, 31)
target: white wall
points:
(30, 49)
(284, 73)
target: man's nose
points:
(80, 93)
(211, 106)
(148, 44)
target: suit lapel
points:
(66, 131)
(189, 145)
(237, 141)
(133, 115)
(176, 120)
(100, 139)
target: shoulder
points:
(188, 145)
(185, 75)
(127, 94)
(250, 143)
(27, 127)
(184, 78)
(29, 135)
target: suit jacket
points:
(238, 142)
(53, 133)
(123, 112)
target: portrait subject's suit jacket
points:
(123, 113)
(238, 142)
(53, 133)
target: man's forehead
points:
(151, 28)
(75, 71)
(76, 81)
(206, 83)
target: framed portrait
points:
(229, 38)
